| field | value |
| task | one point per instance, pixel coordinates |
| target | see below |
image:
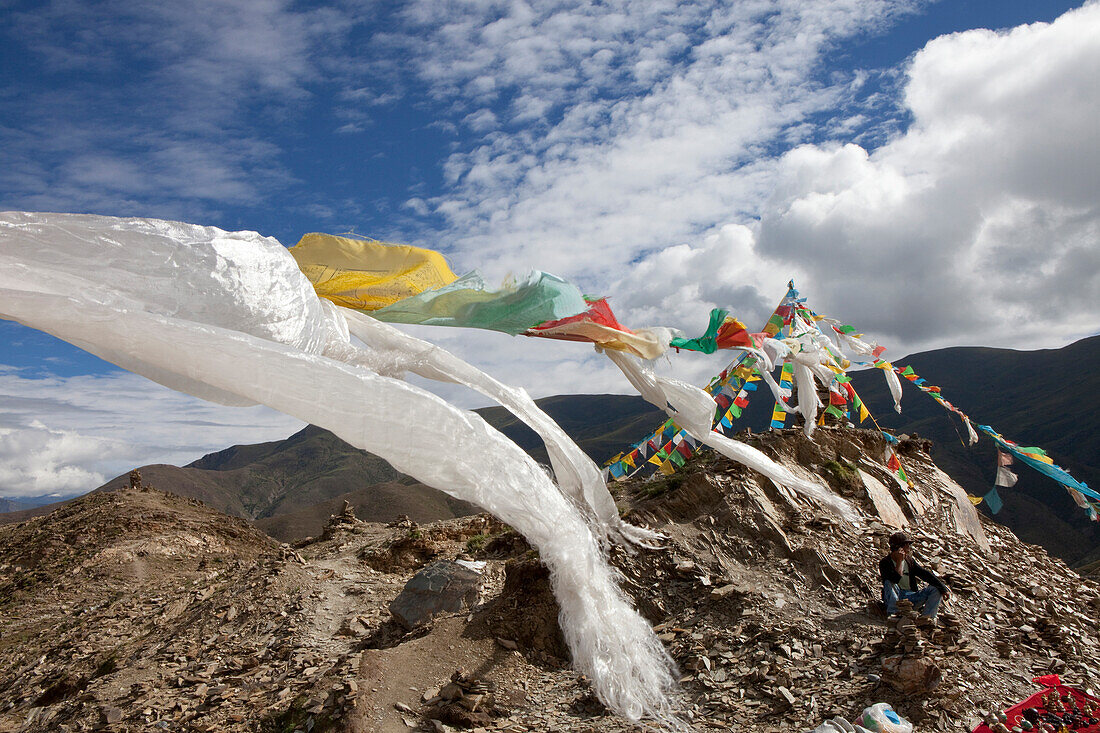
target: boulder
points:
(911, 675)
(441, 586)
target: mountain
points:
(1045, 398)
(19, 503)
(137, 610)
(291, 487)
(602, 425)
(12, 505)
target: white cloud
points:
(627, 127)
(980, 224)
(69, 435)
(158, 117)
(642, 149)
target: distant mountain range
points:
(289, 488)
(1046, 398)
(10, 505)
(18, 503)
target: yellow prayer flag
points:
(863, 412)
(975, 500)
(368, 275)
(667, 468)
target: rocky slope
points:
(137, 610)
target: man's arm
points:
(888, 571)
(927, 576)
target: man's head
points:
(899, 540)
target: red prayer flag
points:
(598, 312)
(732, 333)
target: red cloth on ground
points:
(1051, 682)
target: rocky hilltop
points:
(140, 610)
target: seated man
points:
(901, 576)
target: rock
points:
(723, 591)
(450, 691)
(441, 586)
(911, 675)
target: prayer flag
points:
(1005, 477)
(1078, 498)
(993, 501)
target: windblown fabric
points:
(467, 303)
(368, 275)
(723, 332)
(228, 316)
(576, 474)
(693, 408)
(598, 325)
(1038, 459)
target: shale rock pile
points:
(137, 610)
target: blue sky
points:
(932, 189)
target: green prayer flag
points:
(466, 302)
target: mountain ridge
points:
(137, 610)
(989, 384)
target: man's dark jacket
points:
(889, 571)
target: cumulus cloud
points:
(979, 224)
(623, 128)
(676, 157)
(70, 434)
